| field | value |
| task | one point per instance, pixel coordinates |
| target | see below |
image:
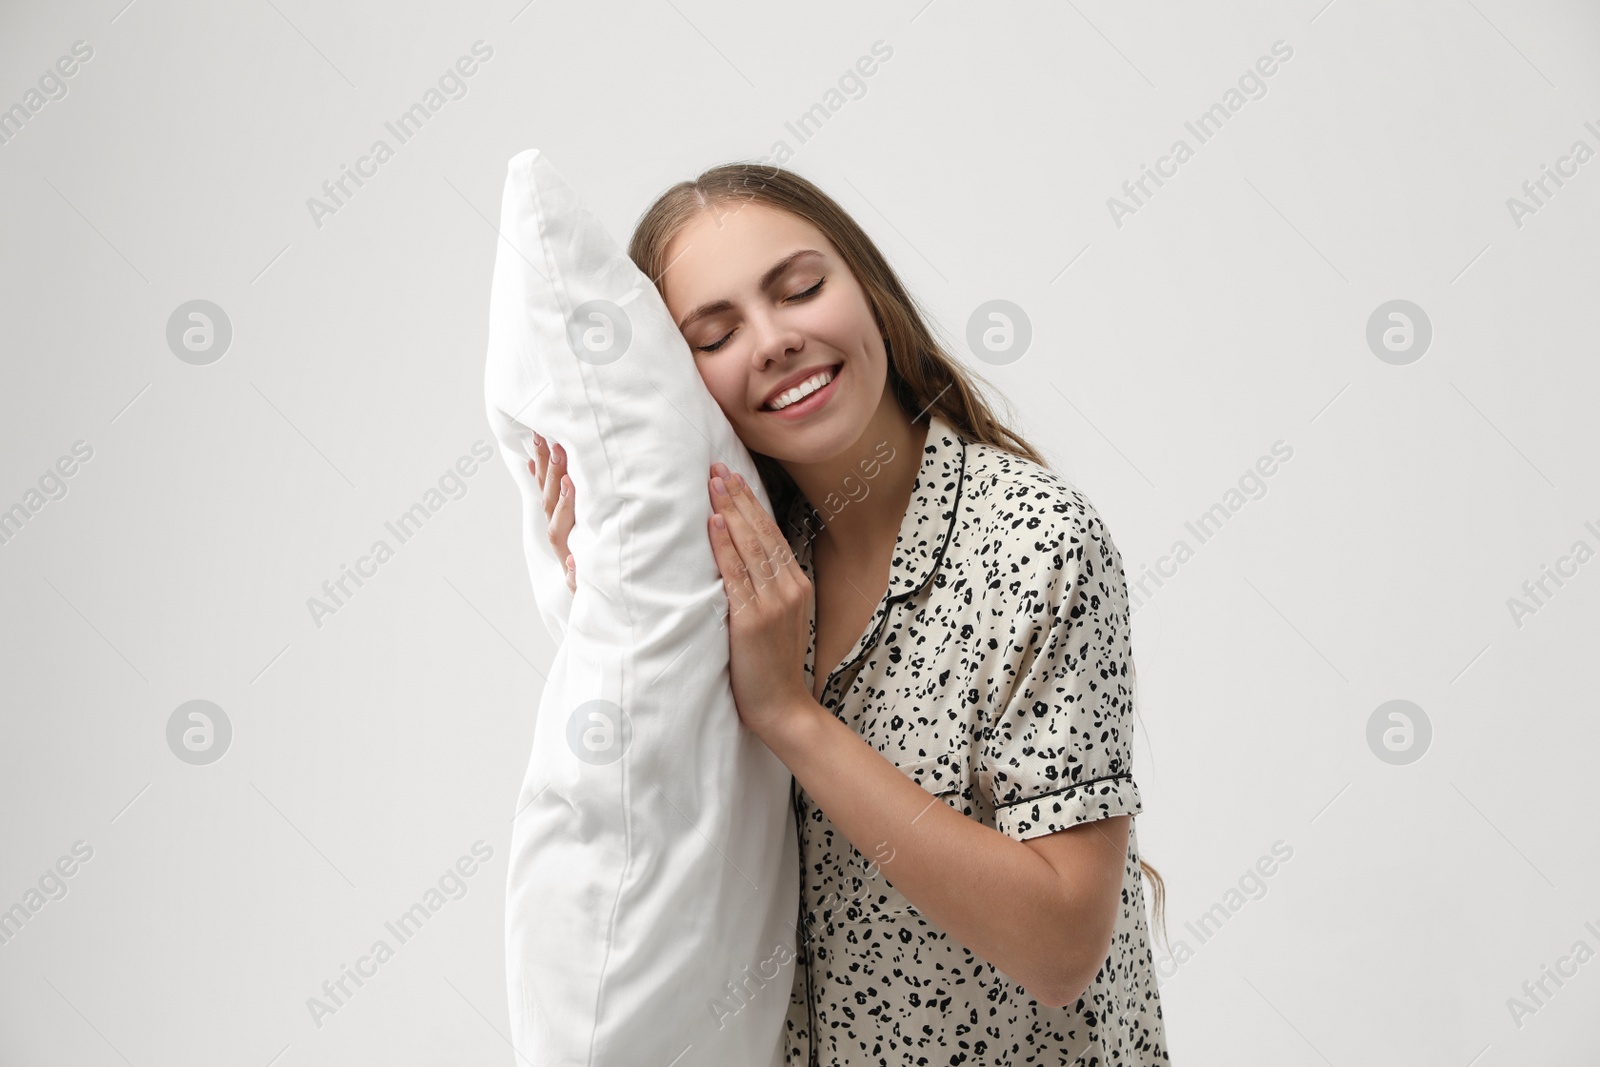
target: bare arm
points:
(1042, 911)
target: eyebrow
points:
(772, 275)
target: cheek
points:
(843, 320)
(726, 387)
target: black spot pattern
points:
(997, 673)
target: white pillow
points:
(654, 868)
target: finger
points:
(572, 574)
(757, 559)
(565, 516)
(774, 559)
(541, 456)
(735, 575)
(555, 467)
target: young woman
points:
(972, 890)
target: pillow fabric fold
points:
(653, 880)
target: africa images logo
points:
(452, 85)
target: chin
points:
(813, 444)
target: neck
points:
(861, 509)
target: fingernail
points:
(737, 480)
(718, 487)
(537, 439)
(560, 454)
(718, 468)
(566, 487)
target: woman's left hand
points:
(768, 595)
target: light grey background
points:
(1168, 354)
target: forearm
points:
(992, 893)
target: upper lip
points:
(795, 379)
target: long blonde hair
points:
(922, 373)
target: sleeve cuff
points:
(1073, 805)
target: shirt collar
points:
(930, 517)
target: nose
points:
(773, 340)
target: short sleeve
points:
(1058, 752)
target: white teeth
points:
(801, 391)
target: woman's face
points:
(762, 296)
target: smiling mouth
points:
(833, 376)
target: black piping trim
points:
(938, 557)
(955, 513)
(1068, 789)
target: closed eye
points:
(811, 291)
(806, 295)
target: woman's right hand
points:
(549, 467)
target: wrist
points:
(796, 730)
